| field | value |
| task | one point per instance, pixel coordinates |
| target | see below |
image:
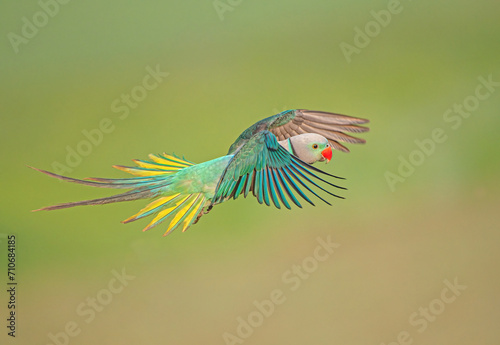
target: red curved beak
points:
(327, 153)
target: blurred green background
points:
(228, 70)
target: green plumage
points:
(256, 163)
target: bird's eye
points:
(315, 146)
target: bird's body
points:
(201, 178)
(273, 171)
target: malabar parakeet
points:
(271, 160)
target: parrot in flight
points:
(271, 159)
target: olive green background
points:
(396, 247)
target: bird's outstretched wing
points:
(266, 169)
(290, 123)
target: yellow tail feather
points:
(160, 165)
(165, 213)
(194, 212)
(179, 215)
(169, 160)
(176, 159)
(181, 208)
(150, 207)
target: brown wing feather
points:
(281, 134)
(334, 135)
(331, 118)
(341, 128)
(330, 125)
(338, 146)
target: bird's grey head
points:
(310, 147)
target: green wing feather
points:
(262, 166)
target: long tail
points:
(153, 179)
